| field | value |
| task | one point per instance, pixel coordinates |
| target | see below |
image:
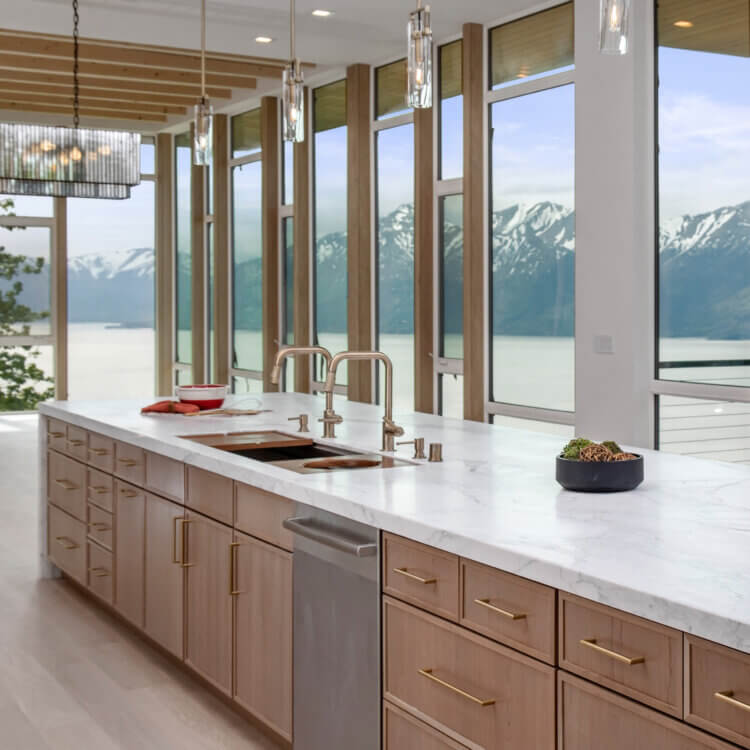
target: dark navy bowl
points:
(593, 476)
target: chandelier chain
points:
(203, 49)
(76, 18)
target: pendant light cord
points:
(203, 49)
(76, 117)
(291, 30)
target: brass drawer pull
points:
(99, 572)
(591, 643)
(99, 451)
(504, 612)
(66, 484)
(57, 434)
(430, 676)
(99, 490)
(100, 526)
(414, 577)
(728, 697)
(77, 443)
(129, 493)
(183, 562)
(61, 540)
(232, 590)
(129, 462)
(175, 520)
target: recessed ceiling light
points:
(322, 13)
(684, 24)
(263, 39)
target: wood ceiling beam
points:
(9, 89)
(127, 72)
(66, 100)
(105, 84)
(85, 111)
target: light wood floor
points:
(71, 676)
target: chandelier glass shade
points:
(419, 59)
(293, 102)
(203, 133)
(614, 24)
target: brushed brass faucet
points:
(390, 429)
(330, 419)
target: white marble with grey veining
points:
(675, 550)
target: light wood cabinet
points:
(66, 484)
(100, 489)
(57, 434)
(101, 453)
(100, 572)
(210, 494)
(77, 444)
(208, 649)
(66, 543)
(262, 576)
(164, 574)
(403, 732)
(165, 476)
(590, 718)
(100, 526)
(130, 463)
(130, 518)
(261, 514)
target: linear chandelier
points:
(203, 124)
(419, 59)
(48, 160)
(292, 99)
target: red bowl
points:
(202, 396)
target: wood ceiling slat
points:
(135, 97)
(85, 111)
(128, 72)
(66, 100)
(111, 84)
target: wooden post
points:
(359, 228)
(424, 261)
(475, 210)
(270, 138)
(222, 312)
(165, 265)
(303, 250)
(199, 284)
(59, 281)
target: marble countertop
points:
(675, 550)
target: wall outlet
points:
(604, 344)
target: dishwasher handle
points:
(307, 528)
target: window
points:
(451, 116)
(330, 223)
(183, 254)
(287, 281)
(247, 253)
(394, 160)
(532, 219)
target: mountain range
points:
(533, 261)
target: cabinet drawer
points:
(100, 572)
(210, 494)
(100, 489)
(165, 476)
(77, 443)
(57, 434)
(101, 452)
(468, 687)
(510, 609)
(403, 732)
(261, 513)
(633, 656)
(421, 575)
(130, 463)
(66, 543)
(66, 484)
(717, 689)
(593, 719)
(100, 526)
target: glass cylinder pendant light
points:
(203, 123)
(419, 34)
(292, 98)
(615, 17)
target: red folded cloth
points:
(169, 407)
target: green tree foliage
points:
(23, 384)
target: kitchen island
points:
(673, 551)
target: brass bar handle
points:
(232, 590)
(99, 451)
(100, 526)
(504, 612)
(66, 484)
(127, 462)
(183, 563)
(57, 434)
(728, 697)
(414, 577)
(77, 443)
(479, 701)
(99, 572)
(62, 539)
(128, 493)
(630, 660)
(175, 521)
(99, 490)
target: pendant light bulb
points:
(419, 59)
(292, 91)
(614, 23)
(203, 121)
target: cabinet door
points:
(209, 603)
(164, 573)
(130, 518)
(263, 632)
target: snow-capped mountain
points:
(138, 262)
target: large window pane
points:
(111, 345)
(26, 377)
(395, 261)
(25, 205)
(287, 275)
(287, 175)
(330, 201)
(247, 265)
(452, 277)
(704, 193)
(246, 133)
(451, 111)
(183, 243)
(532, 249)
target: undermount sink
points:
(294, 453)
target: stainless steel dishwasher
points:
(336, 632)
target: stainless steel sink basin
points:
(346, 462)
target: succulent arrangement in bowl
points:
(586, 466)
(583, 449)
